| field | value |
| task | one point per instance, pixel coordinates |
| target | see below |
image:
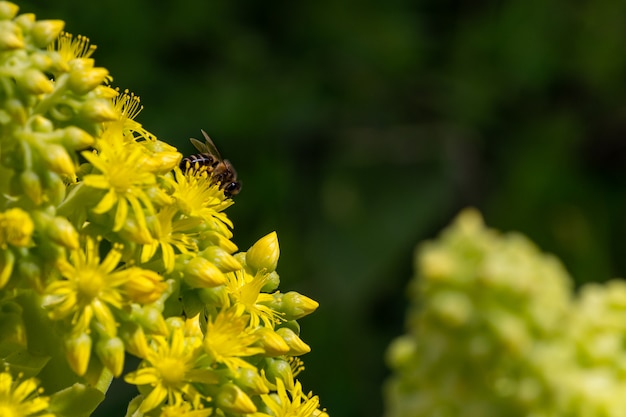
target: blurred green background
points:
(360, 128)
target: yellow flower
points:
(245, 293)
(21, 398)
(228, 339)
(128, 105)
(197, 196)
(122, 176)
(170, 233)
(89, 289)
(289, 403)
(169, 368)
(16, 228)
(185, 409)
(70, 47)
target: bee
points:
(209, 157)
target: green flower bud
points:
(250, 381)
(10, 36)
(296, 306)
(8, 10)
(40, 124)
(31, 186)
(77, 139)
(273, 344)
(279, 368)
(25, 21)
(296, 346)
(34, 81)
(200, 273)
(99, 110)
(272, 282)
(83, 80)
(78, 352)
(293, 305)
(45, 32)
(111, 353)
(134, 339)
(150, 319)
(61, 231)
(264, 253)
(55, 187)
(232, 399)
(58, 160)
(217, 296)
(220, 258)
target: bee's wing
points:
(207, 147)
(200, 146)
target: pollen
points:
(172, 371)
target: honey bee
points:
(209, 157)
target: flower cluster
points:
(109, 248)
(494, 330)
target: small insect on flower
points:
(210, 159)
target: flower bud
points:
(83, 80)
(134, 339)
(232, 399)
(99, 110)
(273, 344)
(25, 21)
(8, 10)
(296, 306)
(45, 32)
(10, 36)
(34, 81)
(296, 346)
(78, 352)
(219, 240)
(111, 353)
(55, 187)
(215, 296)
(150, 319)
(143, 285)
(264, 253)
(250, 380)
(220, 258)
(272, 282)
(279, 369)
(200, 273)
(61, 231)
(58, 160)
(77, 139)
(163, 157)
(41, 124)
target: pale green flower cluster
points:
(494, 329)
(109, 248)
